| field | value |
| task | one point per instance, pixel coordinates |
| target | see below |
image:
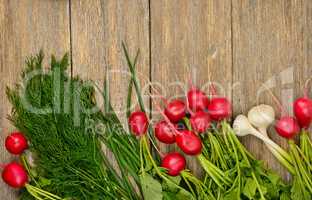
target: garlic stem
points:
(270, 142)
(282, 160)
(276, 150)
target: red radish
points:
(219, 108)
(303, 111)
(175, 110)
(287, 127)
(189, 142)
(303, 108)
(15, 175)
(138, 123)
(200, 122)
(16, 143)
(174, 162)
(164, 133)
(197, 100)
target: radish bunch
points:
(186, 140)
(202, 111)
(165, 132)
(198, 114)
(14, 174)
(17, 175)
(196, 111)
(174, 162)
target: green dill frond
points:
(50, 109)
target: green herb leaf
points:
(233, 194)
(285, 196)
(274, 178)
(183, 195)
(151, 188)
(298, 191)
(70, 162)
(171, 185)
(169, 195)
(44, 182)
(250, 188)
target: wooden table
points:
(244, 43)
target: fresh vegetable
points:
(200, 121)
(138, 123)
(261, 117)
(296, 162)
(167, 187)
(189, 142)
(219, 108)
(175, 110)
(242, 127)
(15, 175)
(241, 171)
(247, 176)
(174, 162)
(303, 108)
(197, 100)
(164, 133)
(306, 147)
(66, 142)
(287, 127)
(186, 140)
(16, 143)
(303, 111)
(72, 165)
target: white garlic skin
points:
(261, 116)
(242, 126)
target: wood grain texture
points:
(244, 42)
(268, 48)
(305, 72)
(184, 36)
(98, 29)
(25, 28)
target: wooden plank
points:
(267, 48)
(25, 27)
(184, 36)
(305, 72)
(98, 29)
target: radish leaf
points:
(151, 188)
(250, 188)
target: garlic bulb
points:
(242, 126)
(261, 116)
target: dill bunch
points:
(53, 110)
